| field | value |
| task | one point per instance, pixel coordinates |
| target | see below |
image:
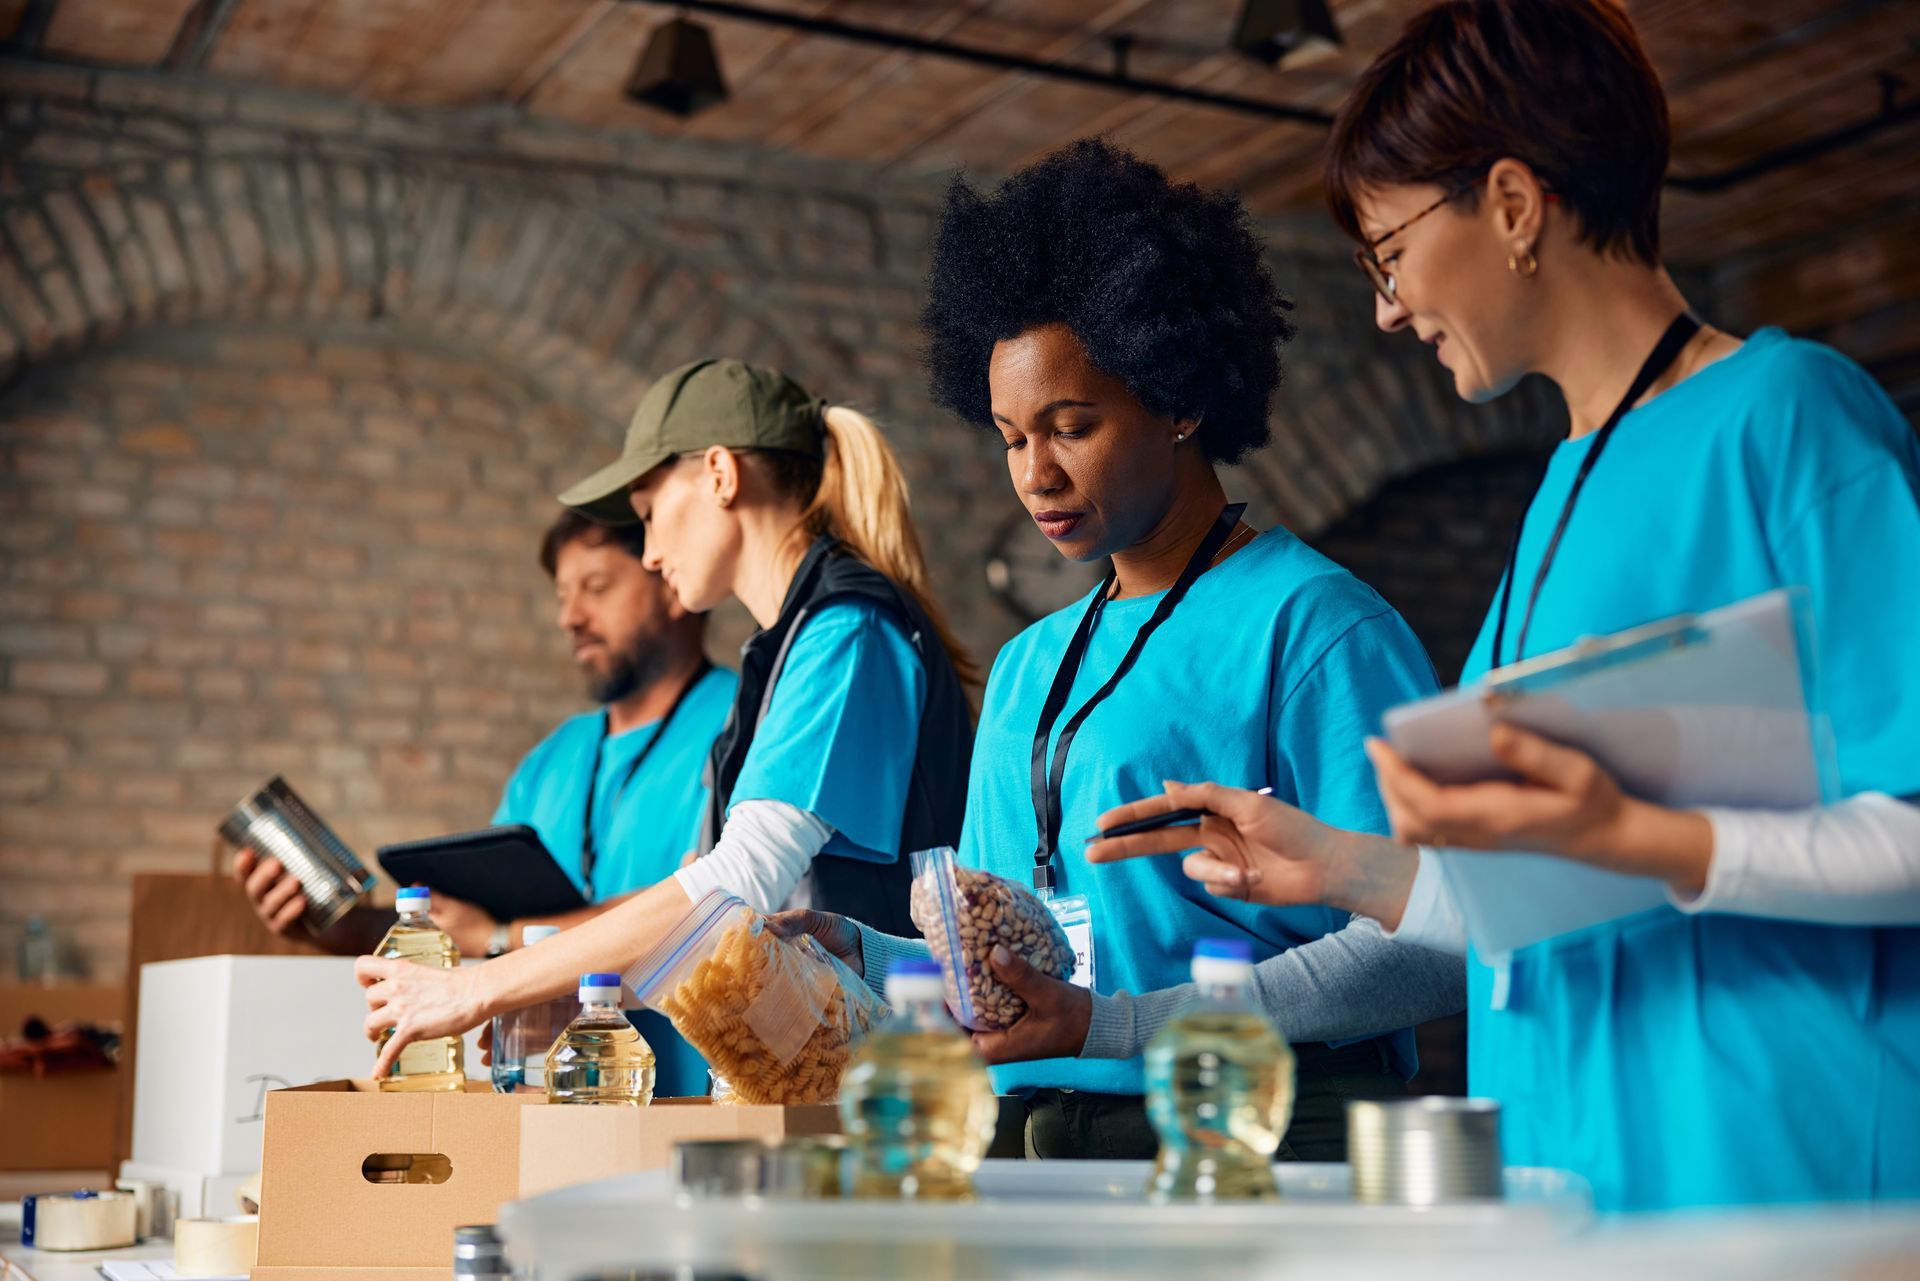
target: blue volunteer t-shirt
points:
(1676, 1060)
(641, 831)
(841, 733)
(1271, 671)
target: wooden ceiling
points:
(1744, 77)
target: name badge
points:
(1075, 916)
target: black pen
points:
(1172, 818)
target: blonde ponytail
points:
(862, 500)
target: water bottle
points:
(521, 1038)
(915, 1103)
(438, 1063)
(1219, 1086)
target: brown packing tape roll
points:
(216, 1247)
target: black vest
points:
(873, 893)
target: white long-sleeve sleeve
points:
(764, 850)
(1431, 918)
(1854, 863)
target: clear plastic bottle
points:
(915, 1103)
(600, 1058)
(440, 1063)
(1219, 1086)
(521, 1038)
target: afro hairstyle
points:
(1163, 284)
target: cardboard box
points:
(321, 1219)
(562, 1146)
(218, 1033)
(64, 1121)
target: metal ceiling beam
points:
(199, 31)
(855, 33)
(31, 31)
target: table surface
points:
(65, 1265)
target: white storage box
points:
(218, 1032)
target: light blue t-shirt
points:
(1271, 671)
(1676, 1060)
(842, 731)
(641, 831)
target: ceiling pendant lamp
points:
(679, 70)
(1270, 30)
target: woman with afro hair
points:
(1120, 334)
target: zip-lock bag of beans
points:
(964, 912)
(776, 1019)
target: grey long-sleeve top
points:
(1352, 983)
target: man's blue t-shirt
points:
(642, 828)
(1271, 671)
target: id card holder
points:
(1075, 915)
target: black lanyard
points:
(1046, 783)
(588, 854)
(1664, 353)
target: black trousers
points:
(1079, 1125)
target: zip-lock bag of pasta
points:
(776, 1018)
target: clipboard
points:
(1719, 708)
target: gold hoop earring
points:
(1523, 264)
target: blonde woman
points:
(851, 733)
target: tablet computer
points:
(505, 870)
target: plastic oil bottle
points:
(440, 1063)
(600, 1057)
(915, 1103)
(521, 1038)
(1219, 1086)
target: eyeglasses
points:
(1369, 262)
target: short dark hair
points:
(1561, 85)
(1164, 284)
(571, 527)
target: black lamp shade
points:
(1271, 29)
(678, 71)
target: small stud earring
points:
(1178, 437)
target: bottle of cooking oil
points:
(915, 1103)
(521, 1038)
(1219, 1086)
(600, 1058)
(437, 1064)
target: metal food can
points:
(275, 821)
(479, 1254)
(721, 1167)
(1424, 1151)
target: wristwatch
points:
(500, 942)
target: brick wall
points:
(233, 553)
(285, 383)
(1435, 544)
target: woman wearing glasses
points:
(1119, 335)
(1759, 1039)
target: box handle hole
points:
(406, 1167)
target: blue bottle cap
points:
(916, 967)
(599, 980)
(1224, 950)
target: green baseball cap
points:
(706, 403)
